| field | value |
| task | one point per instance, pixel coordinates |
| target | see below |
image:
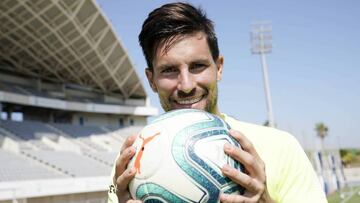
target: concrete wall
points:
(108, 119)
(76, 106)
(93, 197)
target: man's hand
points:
(123, 175)
(254, 181)
(134, 201)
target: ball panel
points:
(184, 154)
(192, 156)
(176, 114)
(151, 192)
(175, 180)
(148, 153)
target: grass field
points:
(350, 195)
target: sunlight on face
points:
(185, 76)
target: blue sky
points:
(314, 68)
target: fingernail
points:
(223, 196)
(227, 147)
(133, 137)
(130, 151)
(131, 171)
(226, 168)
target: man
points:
(184, 66)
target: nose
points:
(186, 82)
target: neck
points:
(216, 111)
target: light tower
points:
(261, 41)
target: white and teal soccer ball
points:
(179, 158)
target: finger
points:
(123, 160)
(248, 182)
(244, 142)
(229, 198)
(124, 179)
(249, 161)
(246, 145)
(134, 201)
(128, 142)
(126, 153)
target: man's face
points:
(185, 75)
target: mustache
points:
(194, 93)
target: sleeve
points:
(299, 182)
(112, 197)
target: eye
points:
(197, 67)
(168, 70)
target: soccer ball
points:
(179, 156)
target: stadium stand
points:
(15, 167)
(65, 162)
(69, 95)
(79, 131)
(28, 130)
(36, 151)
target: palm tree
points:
(321, 131)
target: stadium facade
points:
(69, 94)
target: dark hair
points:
(171, 22)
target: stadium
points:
(69, 95)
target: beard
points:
(210, 105)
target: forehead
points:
(183, 48)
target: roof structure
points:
(68, 42)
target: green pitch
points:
(350, 195)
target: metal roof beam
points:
(44, 46)
(78, 7)
(97, 52)
(106, 57)
(126, 78)
(62, 40)
(117, 67)
(19, 65)
(120, 63)
(34, 57)
(64, 43)
(134, 88)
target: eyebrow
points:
(165, 66)
(200, 61)
(172, 65)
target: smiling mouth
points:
(189, 100)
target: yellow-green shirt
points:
(290, 176)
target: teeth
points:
(189, 101)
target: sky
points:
(314, 66)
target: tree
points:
(321, 131)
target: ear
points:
(150, 76)
(220, 66)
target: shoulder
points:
(262, 136)
(275, 147)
